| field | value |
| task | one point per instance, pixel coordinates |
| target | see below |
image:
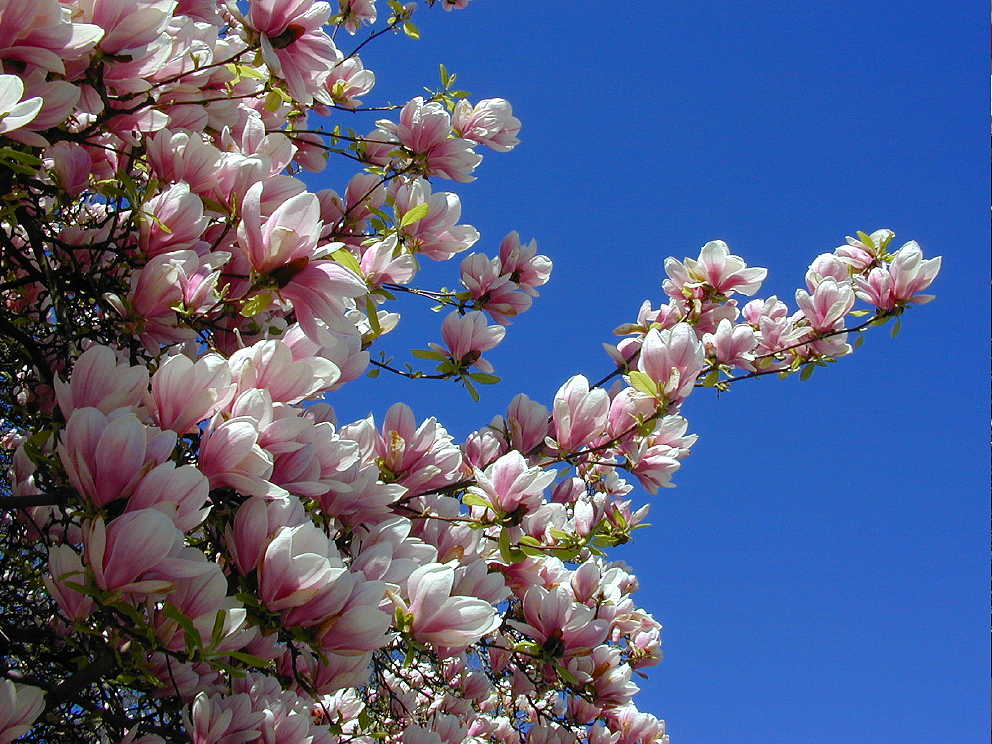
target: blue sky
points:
(822, 568)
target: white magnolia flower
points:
(15, 113)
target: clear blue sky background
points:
(821, 570)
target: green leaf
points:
(254, 661)
(896, 327)
(272, 101)
(470, 498)
(345, 258)
(428, 354)
(415, 215)
(373, 315)
(858, 341)
(23, 157)
(867, 240)
(471, 389)
(411, 30)
(807, 372)
(193, 639)
(483, 379)
(712, 378)
(218, 629)
(507, 551)
(251, 72)
(527, 647)
(447, 79)
(567, 676)
(256, 304)
(373, 373)
(640, 381)
(860, 313)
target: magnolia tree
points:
(193, 548)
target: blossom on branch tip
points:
(490, 122)
(715, 268)
(467, 337)
(895, 285)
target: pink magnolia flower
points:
(416, 456)
(220, 719)
(106, 456)
(673, 358)
(356, 12)
(349, 79)
(184, 156)
(442, 619)
(435, 235)
(862, 255)
(556, 621)
(605, 672)
(628, 409)
(294, 44)
(522, 262)
(484, 446)
(896, 284)
(636, 727)
(72, 166)
(342, 347)
(99, 381)
(715, 268)
(467, 336)
(184, 393)
(425, 130)
(493, 290)
(161, 287)
(384, 262)
(509, 485)
(171, 221)
(178, 492)
(490, 122)
(289, 233)
(270, 365)
(828, 306)
(527, 423)
(132, 545)
(255, 522)
(230, 456)
(347, 615)
(39, 33)
(59, 99)
(20, 706)
(127, 25)
(64, 564)
(578, 413)
(826, 266)
(339, 673)
(297, 565)
(732, 344)
(654, 465)
(321, 293)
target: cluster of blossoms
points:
(194, 547)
